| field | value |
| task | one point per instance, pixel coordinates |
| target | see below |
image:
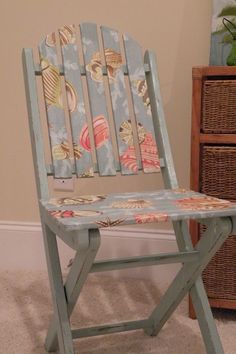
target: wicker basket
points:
(218, 171)
(219, 106)
(219, 277)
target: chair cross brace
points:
(194, 263)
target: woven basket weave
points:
(219, 277)
(218, 176)
(219, 106)
(218, 171)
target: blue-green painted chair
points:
(131, 139)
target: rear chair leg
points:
(214, 237)
(88, 245)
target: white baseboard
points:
(22, 248)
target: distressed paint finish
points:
(54, 108)
(141, 102)
(97, 99)
(76, 220)
(124, 132)
(95, 211)
(75, 99)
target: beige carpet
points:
(25, 309)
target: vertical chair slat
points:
(142, 109)
(96, 91)
(75, 100)
(120, 108)
(54, 108)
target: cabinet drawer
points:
(219, 106)
(219, 277)
(218, 171)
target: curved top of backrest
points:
(104, 58)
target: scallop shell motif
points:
(100, 131)
(67, 35)
(61, 151)
(51, 83)
(126, 132)
(113, 62)
(132, 204)
(71, 96)
(85, 199)
(202, 203)
(51, 40)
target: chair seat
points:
(96, 211)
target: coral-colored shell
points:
(149, 154)
(151, 217)
(100, 131)
(202, 203)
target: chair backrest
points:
(101, 83)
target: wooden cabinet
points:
(213, 168)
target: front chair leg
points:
(88, 245)
(62, 324)
(214, 237)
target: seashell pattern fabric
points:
(97, 99)
(75, 98)
(141, 101)
(95, 211)
(94, 120)
(54, 107)
(118, 93)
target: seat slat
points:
(75, 100)
(94, 75)
(147, 142)
(54, 108)
(121, 114)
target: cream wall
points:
(178, 31)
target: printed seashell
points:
(126, 132)
(149, 154)
(151, 217)
(132, 204)
(128, 159)
(142, 89)
(85, 199)
(51, 83)
(113, 62)
(202, 203)
(77, 151)
(60, 151)
(67, 35)
(88, 173)
(100, 131)
(84, 213)
(51, 40)
(71, 96)
(109, 222)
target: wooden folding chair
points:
(87, 72)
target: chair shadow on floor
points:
(111, 299)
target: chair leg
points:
(89, 242)
(199, 297)
(62, 324)
(205, 318)
(213, 238)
